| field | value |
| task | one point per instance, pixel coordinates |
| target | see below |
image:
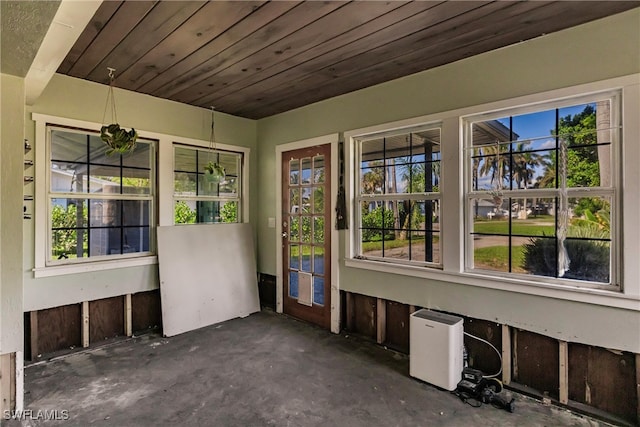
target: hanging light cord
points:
(111, 100)
(212, 135)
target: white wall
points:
(596, 51)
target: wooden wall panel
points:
(361, 315)
(106, 318)
(58, 328)
(535, 362)
(7, 382)
(146, 312)
(397, 326)
(603, 379)
(480, 355)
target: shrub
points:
(588, 260)
(372, 223)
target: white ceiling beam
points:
(70, 20)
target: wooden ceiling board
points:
(255, 59)
(303, 14)
(530, 20)
(193, 59)
(159, 23)
(128, 15)
(206, 24)
(415, 31)
(530, 24)
(399, 30)
(99, 20)
(290, 63)
(307, 38)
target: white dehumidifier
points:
(436, 342)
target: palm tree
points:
(523, 166)
(373, 180)
(495, 164)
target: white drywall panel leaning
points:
(207, 275)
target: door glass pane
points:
(318, 199)
(306, 200)
(294, 172)
(294, 201)
(294, 230)
(306, 229)
(318, 260)
(294, 257)
(306, 170)
(318, 169)
(306, 258)
(318, 229)
(293, 284)
(318, 290)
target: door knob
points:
(285, 234)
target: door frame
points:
(332, 140)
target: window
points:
(541, 194)
(99, 206)
(398, 196)
(199, 197)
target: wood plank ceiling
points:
(254, 59)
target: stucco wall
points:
(11, 189)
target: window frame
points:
(613, 192)
(628, 294)
(239, 198)
(88, 196)
(359, 197)
(41, 215)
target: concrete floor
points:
(266, 369)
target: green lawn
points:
(497, 258)
(391, 244)
(527, 227)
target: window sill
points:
(584, 295)
(87, 267)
